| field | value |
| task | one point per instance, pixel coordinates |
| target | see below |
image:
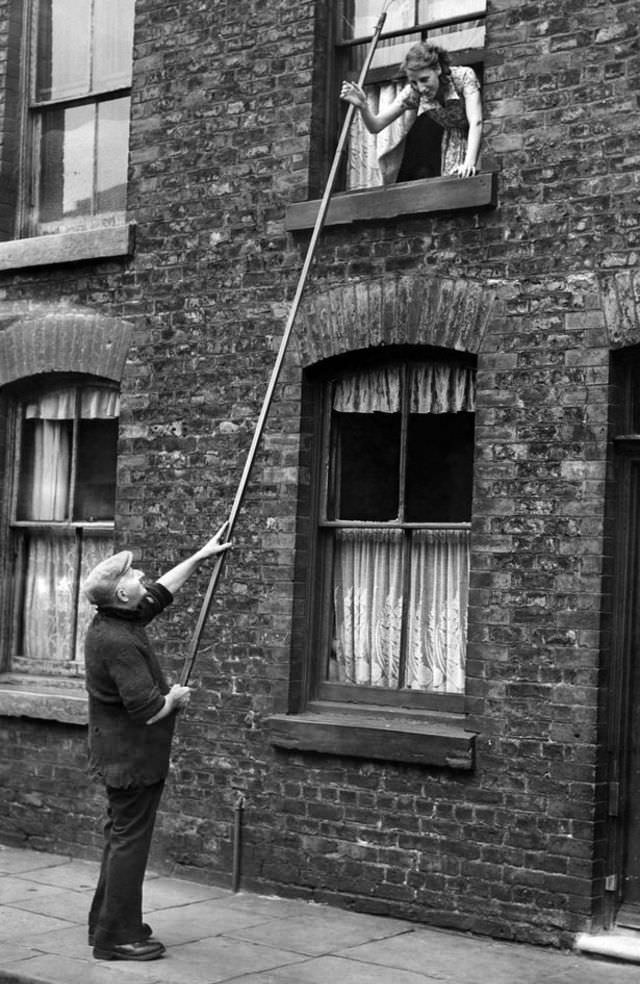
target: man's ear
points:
(122, 595)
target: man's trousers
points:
(115, 916)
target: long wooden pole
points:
(317, 229)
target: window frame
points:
(27, 220)
(16, 530)
(337, 109)
(319, 691)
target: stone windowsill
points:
(427, 739)
(68, 247)
(388, 202)
(43, 698)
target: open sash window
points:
(455, 25)
(62, 524)
(394, 532)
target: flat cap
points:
(101, 583)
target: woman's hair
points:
(425, 55)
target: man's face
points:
(130, 590)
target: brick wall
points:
(220, 143)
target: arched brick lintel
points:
(446, 312)
(61, 338)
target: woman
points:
(442, 117)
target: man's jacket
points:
(126, 687)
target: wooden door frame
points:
(625, 616)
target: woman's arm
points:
(473, 110)
(374, 122)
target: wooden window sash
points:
(357, 694)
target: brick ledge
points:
(68, 247)
(48, 701)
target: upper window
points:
(61, 520)
(394, 527)
(78, 114)
(439, 126)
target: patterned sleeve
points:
(465, 80)
(408, 97)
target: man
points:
(131, 720)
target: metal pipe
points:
(237, 842)
(322, 211)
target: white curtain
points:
(434, 387)
(370, 596)
(368, 606)
(375, 391)
(365, 148)
(438, 596)
(50, 578)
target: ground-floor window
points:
(394, 529)
(62, 513)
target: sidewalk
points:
(215, 936)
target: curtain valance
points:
(434, 387)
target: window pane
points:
(67, 161)
(439, 468)
(63, 50)
(366, 465)
(48, 597)
(430, 10)
(113, 43)
(437, 610)
(95, 547)
(358, 18)
(113, 153)
(45, 469)
(367, 605)
(54, 614)
(95, 491)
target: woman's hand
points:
(353, 94)
(465, 170)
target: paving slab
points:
(326, 931)
(328, 969)
(454, 958)
(18, 924)
(201, 920)
(161, 892)
(220, 960)
(74, 874)
(16, 860)
(63, 903)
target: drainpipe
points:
(237, 842)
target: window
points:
(455, 25)
(61, 519)
(394, 528)
(78, 115)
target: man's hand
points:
(177, 698)
(176, 577)
(214, 545)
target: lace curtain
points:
(371, 597)
(51, 579)
(365, 148)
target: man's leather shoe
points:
(140, 950)
(146, 933)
